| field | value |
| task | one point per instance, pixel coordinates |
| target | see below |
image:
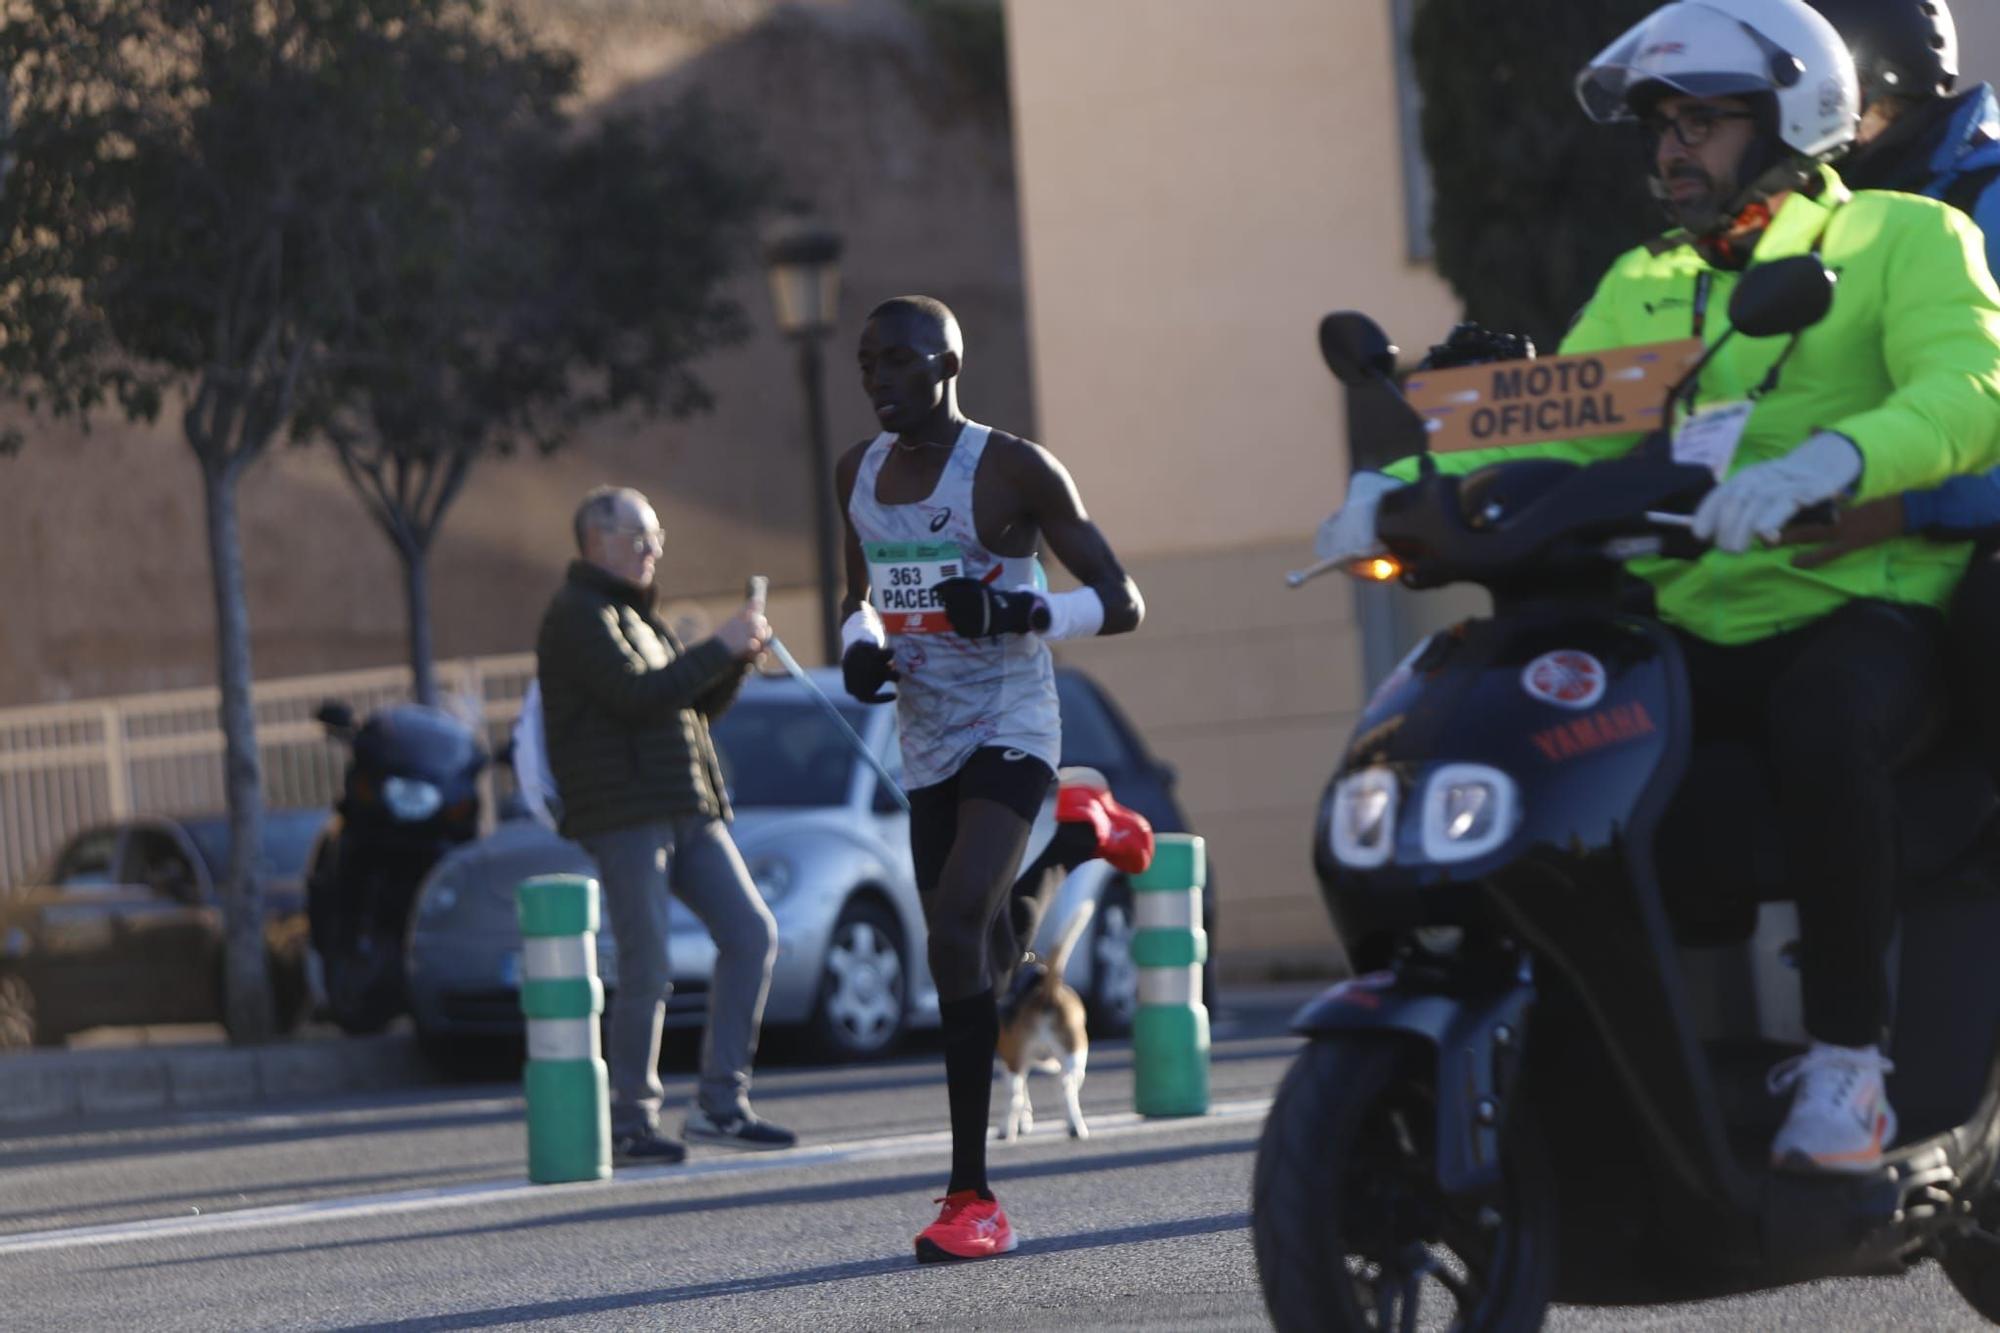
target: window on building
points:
(1409, 106)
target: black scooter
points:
(409, 796)
(1546, 1080)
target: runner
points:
(944, 517)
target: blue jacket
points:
(1965, 506)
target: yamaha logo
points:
(1567, 678)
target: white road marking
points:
(1124, 1124)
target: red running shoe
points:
(968, 1227)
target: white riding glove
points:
(1349, 532)
(1762, 498)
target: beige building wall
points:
(1196, 191)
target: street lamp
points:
(803, 257)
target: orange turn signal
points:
(1376, 568)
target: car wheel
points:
(1114, 978)
(17, 1014)
(864, 985)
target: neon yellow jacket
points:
(1906, 364)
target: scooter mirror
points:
(1354, 348)
(1381, 425)
(1783, 296)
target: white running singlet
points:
(956, 694)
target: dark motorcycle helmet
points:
(1902, 48)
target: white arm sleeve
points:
(864, 626)
(1072, 615)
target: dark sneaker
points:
(646, 1147)
(742, 1130)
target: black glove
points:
(980, 611)
(1471, 344)
(865, 668)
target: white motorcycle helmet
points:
(1724, 48)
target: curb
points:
(57, 1085)
(68, 1085)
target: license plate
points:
(510, 970)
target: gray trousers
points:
(698, 859)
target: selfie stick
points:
(758, 584)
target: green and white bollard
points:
(569, 1097)
(1170, 1033)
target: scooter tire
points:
(1972, 1265)
(1320, 1143)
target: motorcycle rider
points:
(1832, 672)
(1918, 135)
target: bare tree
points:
(572, 274)
(209, 203)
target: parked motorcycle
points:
(1540, 881)
(410, 794)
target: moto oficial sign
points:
(1550, 397)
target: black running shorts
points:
(1014, 778)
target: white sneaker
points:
(1840, 1119)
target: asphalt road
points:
(410, 1212)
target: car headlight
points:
(437, 899)
(411, 799)
(1361, 819)
(773, 877)
(1469, 810)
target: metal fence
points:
(65, 767)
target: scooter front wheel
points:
(1971, 1259)
(1350, 1229)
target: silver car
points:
(827, 849)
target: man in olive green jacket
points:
(1834, 671)
(625, 711)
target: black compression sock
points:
(971, 1028)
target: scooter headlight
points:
(1361, 823)
(411, 800)
(1469, 810)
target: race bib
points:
(902, 583)
(1709, 437)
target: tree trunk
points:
(247, 1008)
(825, 507)
(417, 595)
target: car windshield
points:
(781, 752)
(288, 841)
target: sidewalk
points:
(150, 1069)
